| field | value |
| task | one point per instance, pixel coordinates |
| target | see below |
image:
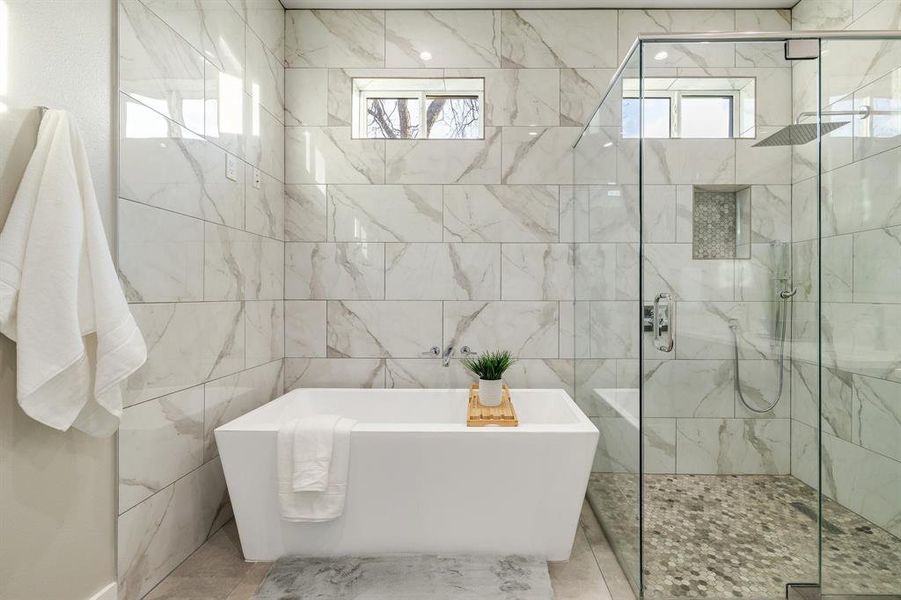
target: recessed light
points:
(608, 144)
(425, 55)
(661, 55)
(533, 133)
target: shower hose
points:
(786, 297)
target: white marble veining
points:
(389, 213)
(612, 329)
(159, 441)
(168, 166)
(689, 388)
(442, 271)
(732, 446)
(876, 414)
(241, 266)
(368, 329)
(538, 155)
(305, 213)
(330, 155)
(527, 97)
(187, 343)
(264, 140)
(633, 22)
(160, 254)
(305, 327)
(334, 372)
(334, 271)
(606, 271)
(670, 268)
(264, 329)
(498, 213)
(559, 38)
(445, 161)
(527, 329)
(689, 161)
(265, 77)
(580, 91)
(613, 215)
(264, 206)
(158, 68)
(452, 38)
(538, 271)
(230, 397)
(426, 373)
(306, 97)
(877, 265)
(335, 38)
(227, 114)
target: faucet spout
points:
(446, 357)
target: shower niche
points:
(721, 222)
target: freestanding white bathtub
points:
(420, 480)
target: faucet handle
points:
(433, 352)
(467, 351)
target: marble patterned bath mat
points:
(408, 577)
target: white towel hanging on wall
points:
(60, 298)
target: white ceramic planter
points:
(490, 391)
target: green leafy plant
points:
(490, 366)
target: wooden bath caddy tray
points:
(502, 415)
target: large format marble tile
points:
(334, 271)
(676, 161)
(822, 14)
(451, 38)
(335, 38)
(264, 327)
(442, 271)
(305, 327)
(228, 398)
(366, 329)
(613, 330)
(330, 155)
(265, 77)
(659, 441)
(266, 19)
(833, 410)
(580, 92)
(426, 373)
(863, 338)
(158, 68)
(165, 165)
(159, 533)
(559, 38)
(538, 155)
(877, 415)
(445, 161)
(606, 272)
(306, 219)
(389, 213)
(527, 97)
(762, 165)
(527, 329)
(703, 330)
(771, 213)
(689, 388)
(877, 265)
(264, 206)
(160, 254)
(733, 446)
(538, 271)
(499, 213)
(187, 343)
(159, 441)
(306, 98)
(227, 114)
(867, 183)
(334, 372)
(241, 266)
(670, 268)
(212, 27)
(832, 257)
(633, 22)
(265, 140)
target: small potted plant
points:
(489, 367)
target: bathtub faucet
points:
(448, 353)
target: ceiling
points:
(437, 4)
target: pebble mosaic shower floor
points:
(724, 536)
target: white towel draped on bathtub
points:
(313, 435)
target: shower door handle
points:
(664, 322)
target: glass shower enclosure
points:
(737, 215)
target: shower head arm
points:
(862, 112)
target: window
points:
(690, 107)
(445, 109)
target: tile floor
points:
(216, 571)
(745, 536)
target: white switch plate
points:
(231, 167)
(257, 178)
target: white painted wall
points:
(57, 492)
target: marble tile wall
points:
(201, 244)
(694, 421)
(860, 268)
(472, 241)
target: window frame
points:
(675, 97)
(364, 96)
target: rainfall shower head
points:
(795, 135)
(801, 133)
